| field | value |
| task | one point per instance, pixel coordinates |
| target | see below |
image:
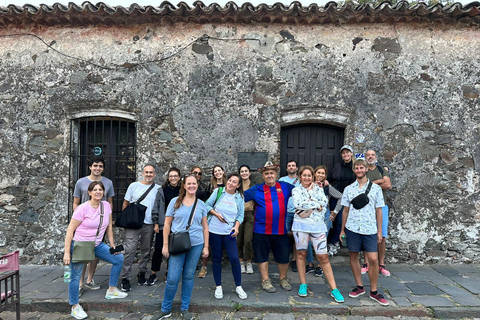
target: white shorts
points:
(319, 241)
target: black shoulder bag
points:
(179, 243)
(362, 199)
(134, 214)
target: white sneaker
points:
(249, 268)
(242, 267)
(116, 294)
(241, 293)
(78, 312)
(219, 292)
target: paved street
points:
(441, 291)
(98, 315)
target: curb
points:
(61, 306)
(456, 312)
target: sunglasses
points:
(197, 173)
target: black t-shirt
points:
(170, 192)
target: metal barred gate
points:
(112, 138)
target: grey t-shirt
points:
(81, 189)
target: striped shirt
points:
(271, 207)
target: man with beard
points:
(379, 175)
(362, 227)
(291, 177)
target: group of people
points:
(248, 221)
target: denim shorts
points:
(263, 243)
(357, 242)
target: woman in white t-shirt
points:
(86, 220)
(309, 224)
(226, 209)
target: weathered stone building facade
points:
(204, 83)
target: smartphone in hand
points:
(116, 249)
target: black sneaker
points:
(318, 272)
(141, 278)
(162, 315)
(293, 265)
(126, 285)
(187, 315)
(309, 269)
(152, 279)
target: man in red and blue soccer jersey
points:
(269, 229)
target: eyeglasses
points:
(197, 173)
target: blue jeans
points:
(184, 266)
(102, 251)
(328, 222)
(334, 234)
(217, 243)
(309, 252)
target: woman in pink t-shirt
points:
(83, 227)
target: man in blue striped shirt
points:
(270, 231)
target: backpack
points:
(380, 169)
(219, 194)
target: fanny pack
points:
(362, 199)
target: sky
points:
(127, 3)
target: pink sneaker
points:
(379, 298)
(364, 268)
(383, 271)
(356, 292)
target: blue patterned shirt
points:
(364, 220)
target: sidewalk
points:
(440, 291)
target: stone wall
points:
(412, 89)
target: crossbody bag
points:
(133, 215)
(362, 199)
(179, 242)
(84, 251)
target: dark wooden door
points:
(311, 145)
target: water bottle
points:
(66, 274)
(344, 240)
